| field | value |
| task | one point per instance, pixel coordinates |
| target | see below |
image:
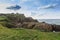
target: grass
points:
(27, 34)
(2, 18)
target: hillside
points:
(17, 20)
(27, 34)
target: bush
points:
(10, 25)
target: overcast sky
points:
(38, 9)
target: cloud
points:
(22, 1)
(37, 14)
(48, 6)
(3, 8)
(27, 13)
(12, 0)
(47, 16)
(21, 11)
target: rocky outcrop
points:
(29, 25)
(20, 21)
(36, 25)
(41, 26)
(56, 27)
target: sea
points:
(50, 21)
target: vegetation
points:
(9, 29)
(27, 34)
(15, 20)
(20, 21)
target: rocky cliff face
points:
(20, 21)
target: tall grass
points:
(27, 34)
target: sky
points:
(37, 9)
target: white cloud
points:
(47, 15)
(28, 13)
(12, 0)
(22, 1)
(48, 6)
(4, 10)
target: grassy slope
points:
(26, 34)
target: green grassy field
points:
(27, 34)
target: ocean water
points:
(50, 21)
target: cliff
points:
(20, 21)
